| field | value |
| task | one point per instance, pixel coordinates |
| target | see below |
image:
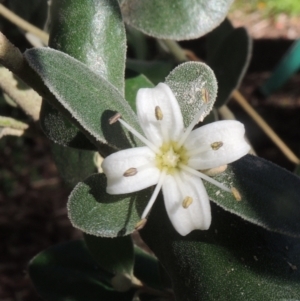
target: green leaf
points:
(270, 194)
(230, 62)
(93, 33)
(233, 260)
(95, 212)
(99, 40)
(156, 71)
(67, 272)
(74, 165)
(188, 82)
(114, 255)
(132, 85)
(88, 97)
(175, 19)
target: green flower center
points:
(171, 156)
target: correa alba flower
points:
(173, 157)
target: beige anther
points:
(187, 202)
(130, 172)
(158, 113)
(114, 118)
(205, 95)
(141, 224)
(236, 194)
(216, 145)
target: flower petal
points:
(115, 165)
(229, 132)
(197, 215)
(171, 126)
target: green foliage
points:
(92, 99)
(86, 45)
(67, 272)
(174, 19)
(189, 81)
(98, 213)
(233, 260)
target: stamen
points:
(214, 171)
(114, 118)
(236, 194)
(203, 176)
(187, 202)
(191, 126)
(155, 193)
(139, 136)
(216, 145)
(205, 95)
(130, 172)
(158, 113)
(141, 224)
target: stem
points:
(26, 98)
(265, 127)
(15, 19)
(175, 49)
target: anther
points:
(158, 113)
(205, 95)
(187, 202)
(141, 224)
(236, 194)
(114, 118)
(130, 172)
(216, 145)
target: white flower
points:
(172, 157)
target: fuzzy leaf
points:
(230, 62)
(88, 97)
(270, 194)
(95, 212)
(67, 272)
(233, 260)
(99, 41)
(188, 82)
(175, 19)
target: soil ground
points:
(33, 197)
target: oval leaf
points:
(270, 194)
(95, 212)
(233, 260)
(88, 97)
(99, 41)
(194, 85)
(68, 272)
(175, 19)
(230, 62)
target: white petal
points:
(116, 164)
(171, 125)
(229, 132)
(197, 215)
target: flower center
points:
(170, 156)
